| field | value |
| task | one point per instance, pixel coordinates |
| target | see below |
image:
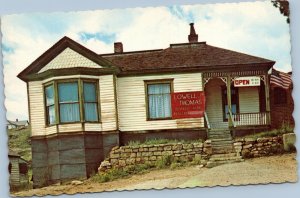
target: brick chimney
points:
(118, 47)
(193, 37)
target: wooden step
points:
(223, 155)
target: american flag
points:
(280, 79)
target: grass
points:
(116, 173)
(285, 128)
(166, 162)
(161, 141)
(19, 141)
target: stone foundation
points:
(124, 156)
(250, 147)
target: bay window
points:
(71, 101)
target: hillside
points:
(19, 141)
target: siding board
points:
(36, 101)
(132, 107)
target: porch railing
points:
(246, 119)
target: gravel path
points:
(274, 169)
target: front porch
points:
(229, 106)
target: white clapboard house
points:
(81, 103)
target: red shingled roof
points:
(182, 56)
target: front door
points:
(234, 101)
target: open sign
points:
(247, 81)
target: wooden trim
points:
(116, 101)
(47, 122)
(67, 72)
(28, 103)
(267, 92)
(152, 82)
(81, 106)
(56, 49)
(97, 101)
(200, 69)
(73, 133)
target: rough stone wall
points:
(130, 155)
(124, 156)
(250, 147)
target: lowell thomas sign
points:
(188, 104)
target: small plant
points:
(162, 141)
(175, 165)
(134, 143)
(196, 161)
(164, 162)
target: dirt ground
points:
(274, 169)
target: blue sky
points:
(255, 28)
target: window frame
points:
(169, 81)
(79, 82)
(97, 92)
(46, 115)
(79, 100)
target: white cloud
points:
(256, 28)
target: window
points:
(280, 96)
(50, 107)
(71, 101)
(68, 102)
(90, 101)
(234, 101)
(159, 99)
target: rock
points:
(114, 155)
(198, 145)
(200, 166)
(122, 163)
(115, 148)
(207, 142)
(132, 155)
(76, 182)
(177, 147)
(153, 149)
(168, 148)
(247, 146)
(289, 141)
(167, 153)
(188, 146)
(152, 158)
(262, 140)
(249, 140)
(237, 144)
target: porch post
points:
(228, 84)
(267, 92)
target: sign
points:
(188, 104)
(247, 81)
